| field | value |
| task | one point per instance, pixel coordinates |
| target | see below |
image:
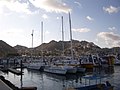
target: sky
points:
(96, 21)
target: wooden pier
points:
(15, 71)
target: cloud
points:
(89, 18)
(51, 5)
(15, 6)
(81, 30)
(78, 3)
(111, 9)
(112, 28)
(111, 39)
(45, 16)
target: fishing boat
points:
(97, 86)
(87, 62)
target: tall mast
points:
(62, 35)
(71, 36)
(42, 39)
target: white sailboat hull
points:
(35, 66)
(55, 70)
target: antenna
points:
(32, 38)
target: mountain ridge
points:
(56, 48)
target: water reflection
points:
(59, 82)
(47, 81)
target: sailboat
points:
(35, 64)
(71, 68)
(54, 68)
(65, 63)
(65, 67)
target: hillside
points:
(22, 50)
(56, 49)
(78, 47)
(6, 50)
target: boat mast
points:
(42, 40)
(62, 36)
(71, 36)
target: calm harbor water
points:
(46, 81)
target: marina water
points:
(47, 81)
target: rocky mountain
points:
(6, 50)
(53, 46)
(56, 48)
(78, 47)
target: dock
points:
(4, 86)
(7, 85)
(15, 71)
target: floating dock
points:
(15, 71)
